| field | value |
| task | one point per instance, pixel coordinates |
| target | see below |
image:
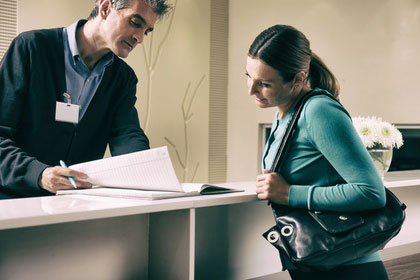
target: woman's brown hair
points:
(287, 50)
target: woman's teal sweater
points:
(326, 164)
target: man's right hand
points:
(56, 178)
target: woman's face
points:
(266, 85)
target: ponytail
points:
(321, 77)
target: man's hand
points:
(55, 178)
(273, 186)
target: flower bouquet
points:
(379, 138)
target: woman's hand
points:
(273, 187)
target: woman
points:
(326, 166)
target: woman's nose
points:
(252, 89)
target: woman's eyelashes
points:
(261, 83)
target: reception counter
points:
(203, 237)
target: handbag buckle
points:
(273, 237)
(286, 231)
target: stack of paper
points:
(146, 174)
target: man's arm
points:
(21, 173)
(18, 170)
(127, 135)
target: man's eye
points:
(265, 85)
(135, 24)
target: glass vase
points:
(382, 159)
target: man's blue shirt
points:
(81, 83)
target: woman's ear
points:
(299, 78)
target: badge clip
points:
(68, 98)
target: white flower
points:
(376, 133)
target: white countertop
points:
(24, 212)
(397, 179)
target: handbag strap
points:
(291, 125)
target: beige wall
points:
(372, 47)
(179, 69)
(35, 14)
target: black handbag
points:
(320, 240)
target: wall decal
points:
(151, 59)
(187, 114)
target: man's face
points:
(126, 28)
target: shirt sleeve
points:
(330, 130)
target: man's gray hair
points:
(161, 7)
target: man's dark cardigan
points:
(32, 79)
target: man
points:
(65, 94)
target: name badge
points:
(67, 112)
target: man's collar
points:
(71, 37)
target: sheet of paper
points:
(191, 187)
(127, 193)
(147, 170)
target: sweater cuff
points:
(34, 170)
(298, 196)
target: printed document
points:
(147, 174)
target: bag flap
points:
(335, 222)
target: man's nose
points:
(138, 37)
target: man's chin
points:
(122, 53)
